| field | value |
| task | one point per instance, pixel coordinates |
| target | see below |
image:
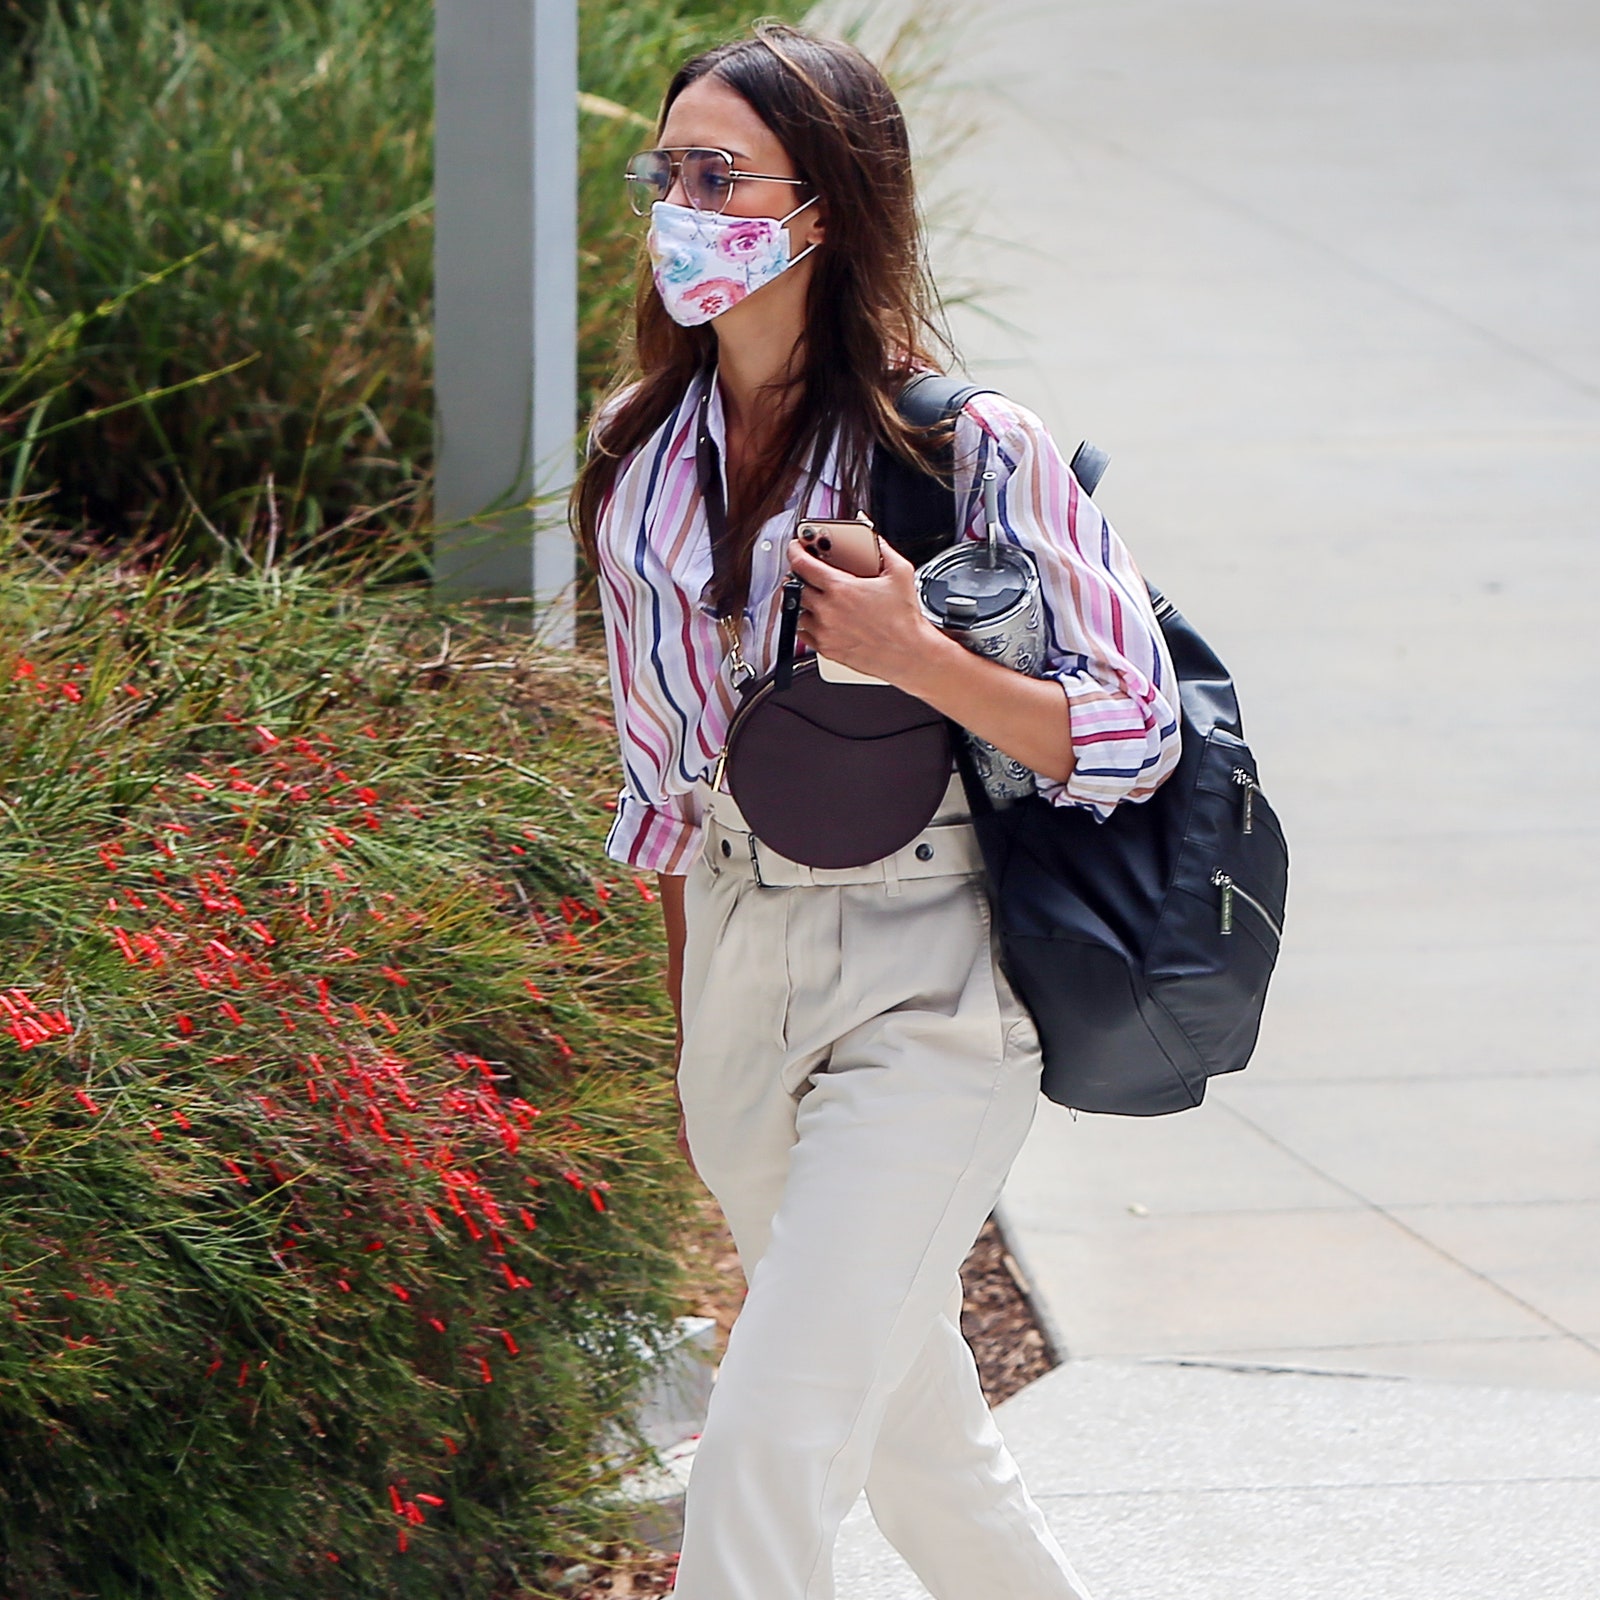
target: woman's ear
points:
(811, 227)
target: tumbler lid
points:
(968, 590)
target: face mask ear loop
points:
(784, 221)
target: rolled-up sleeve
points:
(656, 838)
(1106, 649)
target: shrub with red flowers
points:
(337, 1183)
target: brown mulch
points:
(1010, 1347)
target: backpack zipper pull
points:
(1245, 781)
(1225, 909)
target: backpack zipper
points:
(1225, 910)
(1246, 780)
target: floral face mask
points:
(704, 262)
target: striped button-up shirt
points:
(671, 678)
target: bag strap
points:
(917, 511)
(708, 477)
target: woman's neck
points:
(754, 364)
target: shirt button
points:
(766, 544)
(924, 852)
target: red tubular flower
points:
(430, 1499)
(402, 1293)
(230, 1011)
(394, 977)
(450, 1444)
(84, 1100)
(597, 1200)
(529, 1221)
(244, 1373)
(511, 1344)
(532, 988)
(646, 893)
(401, 1541)
(394, 1499)
(483, 1367)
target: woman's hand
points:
(875, 625)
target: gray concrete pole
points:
(505, 265)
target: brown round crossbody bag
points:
(826, 774)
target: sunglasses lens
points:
(648, 178)
(707, 179)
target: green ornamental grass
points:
(283, 149)
(337, 1189)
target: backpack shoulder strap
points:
(916, 511)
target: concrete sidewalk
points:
(1321, 277)
(1192, 1483)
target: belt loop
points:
(891, 873)
(755, 862)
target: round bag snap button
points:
(727, 847)
(924, 852)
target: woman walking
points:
(855, 1074)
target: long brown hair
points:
(872, 314)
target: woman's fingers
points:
(817, 574)
(892, 559)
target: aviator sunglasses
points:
(708, 177)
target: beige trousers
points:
(857, 1078)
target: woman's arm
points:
(671, 888)
(876, 625)
(1100, 726)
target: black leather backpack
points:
(1142, 945)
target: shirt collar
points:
(716, 423)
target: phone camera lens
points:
(824, 544)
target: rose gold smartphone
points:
(851, 546)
